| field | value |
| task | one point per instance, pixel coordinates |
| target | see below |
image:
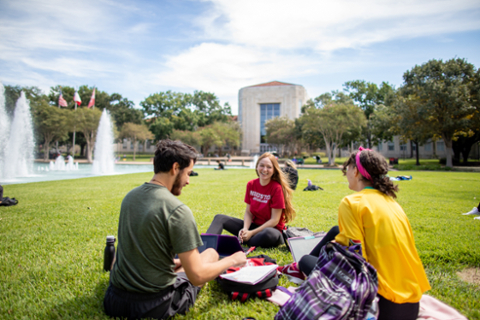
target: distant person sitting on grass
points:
(372, 217)
(291, 172)
(146, 280)
(220, 165)
(269, 207)
(475, 210)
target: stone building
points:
(261, 102)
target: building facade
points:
(262, 102)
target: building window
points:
(440, 146)
(428, 146)
(125, 141)
(380, 147)
(403, 147)
(267, 111)
(391, 146)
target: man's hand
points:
(240, 259)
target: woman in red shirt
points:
(269, 207)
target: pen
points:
(250, 250)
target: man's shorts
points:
(177, 298)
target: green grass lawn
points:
(52, 242)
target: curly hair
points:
(280, 177)
(168, 152)
(376, 165)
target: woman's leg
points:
(330, 236)
(267, 238)
(397, 311)
(307, 263)
(221, 222)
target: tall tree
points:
(121, 109)
(444, 94)
(408, 122)
(281, 133)
(86, 121)
(207, 107)
(191, 138)
(228, 132)
(135, 132)
(333, 122)
(52, 124)
(209, 137)
(368, 96)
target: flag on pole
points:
(77, 99)
(61, 101)
(92, 100)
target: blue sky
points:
(137, 48)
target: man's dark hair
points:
(168, 152)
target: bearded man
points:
(146, 280)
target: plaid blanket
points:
(341, 286)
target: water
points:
(104, 161)
(59, 164)
(18, 154)
(42, 172)
(4, 129)
(254, 162)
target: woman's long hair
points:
(376, 166)
(280, 177)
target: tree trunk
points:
(134, 147)
(448, 147)
(46, 150)
(329, 153)
(334, 150)
(416, 152)
(466, 153)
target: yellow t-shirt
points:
(381, 225)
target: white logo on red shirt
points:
(263, 198)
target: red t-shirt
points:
(262, 199)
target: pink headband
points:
(361, 169)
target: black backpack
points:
(6, 202)
(243, 291)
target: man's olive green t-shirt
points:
(153, 226)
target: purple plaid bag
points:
(341, 286)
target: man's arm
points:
(201, 268)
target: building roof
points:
(272, 83)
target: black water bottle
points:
(109, 256)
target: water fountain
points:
(59, 164)
(18, 156)
(254, 162)
(4, 129)
(104, 161)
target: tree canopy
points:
(445, 97)
(335, 121)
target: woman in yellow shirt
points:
(372, 216)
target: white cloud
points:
(330, 25)
(221, 68)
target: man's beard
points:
(177, 187)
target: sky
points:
(138, 48)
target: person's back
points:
(387, 242)
(146, 280)
(150, 215)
